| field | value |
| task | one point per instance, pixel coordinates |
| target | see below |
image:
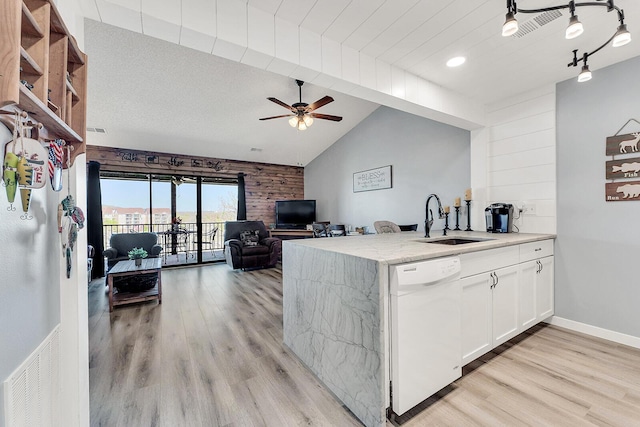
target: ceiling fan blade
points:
(319, 103)
(276, 117)
(277, 101)
(326, 117)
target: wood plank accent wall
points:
(264, 183)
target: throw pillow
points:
(250, 237)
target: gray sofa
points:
(120, 245)
(264, 252)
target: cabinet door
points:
(505, 305)
(545, 289)
(476, 316)
(528, 313)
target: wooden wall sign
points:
(627, 168)
(622, 191)
(623, 144)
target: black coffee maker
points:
(499, 218)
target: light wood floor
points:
(211, 355)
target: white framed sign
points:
(372, 179)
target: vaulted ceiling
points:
(192, 75)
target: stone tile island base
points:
(332, 319)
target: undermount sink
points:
(456, 241)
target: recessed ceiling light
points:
(456, 62)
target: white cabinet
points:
(505, 305)
(504, 292)
(489, 311)
(536, 283)
(477, 321)
(545, 289)
(528, 312)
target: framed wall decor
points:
(372, 179)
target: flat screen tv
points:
(295, 214)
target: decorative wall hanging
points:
(621, 170)
(372, 179)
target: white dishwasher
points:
(425, 329)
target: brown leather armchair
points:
(247, 245)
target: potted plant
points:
(137, 254)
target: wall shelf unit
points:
(37, 47)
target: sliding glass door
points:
(187, 212)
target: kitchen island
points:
(335, 307)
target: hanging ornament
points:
(54, 163)
(10, 167)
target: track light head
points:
(585, 74)
(622, 36)
(510, 26)
(574, 29)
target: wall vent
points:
(537, 22)
(32, 391)
(97, 130)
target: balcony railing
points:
(177, 250)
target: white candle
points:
(456, 203)
(467, 194)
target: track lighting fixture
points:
(621, 37)
(575, 27)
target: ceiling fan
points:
(303, 114)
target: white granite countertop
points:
(409, 246)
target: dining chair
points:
(408, 227)
(337, 230)
(386, 227)
(320, 229)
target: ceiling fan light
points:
(301, 125)
(585, 74)
(308, 120)
(293, 121)
(510, 26)
(622, 37)
(574, 29)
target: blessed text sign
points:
(372, 179)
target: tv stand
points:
(285, 233)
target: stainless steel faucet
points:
(429, 222)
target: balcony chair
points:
(208, 240)
(121, 243)
(247, 245)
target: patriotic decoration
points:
(55, 164)
(55, 156)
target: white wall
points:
(513, 159)
(426, 157)
(35, 294)
(597, 249)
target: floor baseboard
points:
(595, 331)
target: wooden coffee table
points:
(129, 268)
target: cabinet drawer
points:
(535, 250)
(483, 261)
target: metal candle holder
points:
(468, 215)
(457, 217)
(446, 224)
